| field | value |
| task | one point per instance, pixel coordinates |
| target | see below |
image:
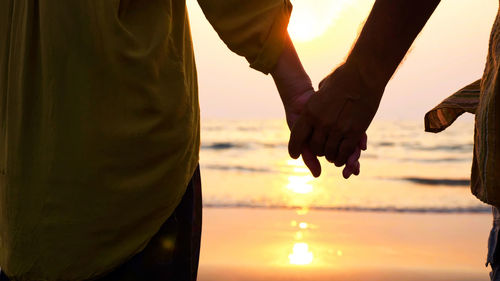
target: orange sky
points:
(449, 53)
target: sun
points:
(310, 19)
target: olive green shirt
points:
(99, 123)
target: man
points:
(336, 118)
(99, 131)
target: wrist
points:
(371, 81)
(292, 90)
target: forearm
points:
(289, 75)
(387, 35)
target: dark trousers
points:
(173, 253)
(493, 258)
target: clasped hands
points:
(330, 122)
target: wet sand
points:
(260, 244)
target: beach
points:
(240, 244)
(409, 216)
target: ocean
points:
(245, 164)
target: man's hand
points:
(334, 122)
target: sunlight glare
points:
(300, 184)
(301, 254)
(295, 162)
(310, 19)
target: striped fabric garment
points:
(443, 115)
(482, 99)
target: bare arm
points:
(389, 32)
(336, 119)
(295, 90)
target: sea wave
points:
(437, 160)
(389, 209)
(437, 182)
(239, 168)
(223, 145)
(456, 148)
(239, 145)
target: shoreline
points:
(383, 210)
(261, 244)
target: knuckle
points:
(313, 145)
(350, 148)
(314, 151)
(317, 151)
(343, 127)
(330, 154)
(329, 158)
(341, 158)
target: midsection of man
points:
(99, 134)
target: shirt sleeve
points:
(254, 29)
(445, 113)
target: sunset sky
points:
(450, 53)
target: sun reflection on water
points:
(303, 225)
(301, 183)
(301, 254)
(301, 188)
